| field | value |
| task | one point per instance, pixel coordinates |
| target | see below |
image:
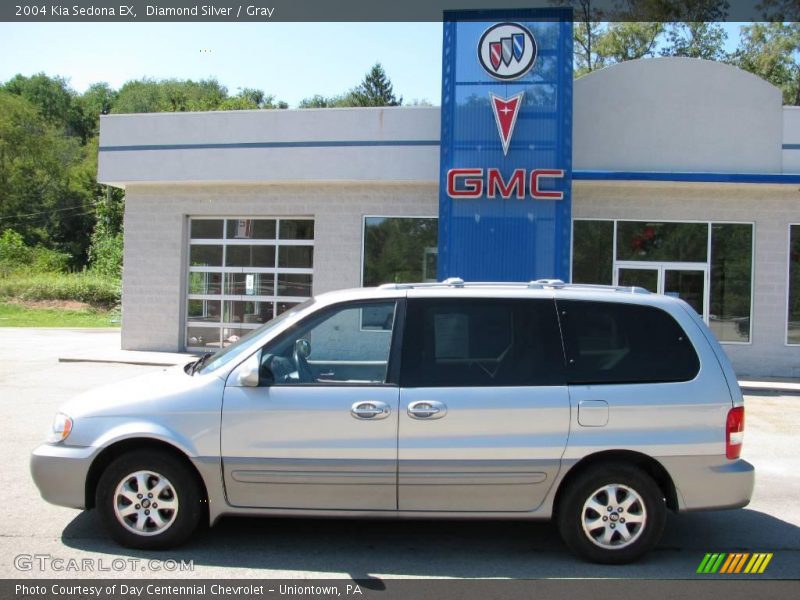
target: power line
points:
(45, 212)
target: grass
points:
(99, 291)
(17, 315)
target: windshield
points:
(224, 356)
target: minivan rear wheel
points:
(612, 514)
(149, 500)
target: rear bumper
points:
(60, 473)
(710, 483)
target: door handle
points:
(370, 410)
(427, 409)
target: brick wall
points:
(155, 243)
(154, 278)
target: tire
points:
(622, 533)
(172, 512)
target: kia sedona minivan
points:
(599, 407)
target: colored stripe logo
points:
(739, 562)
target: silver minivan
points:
(596, 406)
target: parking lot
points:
(33, 384)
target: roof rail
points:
(454, 281)
(546, 283)
(537, 284)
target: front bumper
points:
(709, 483)
(60, 473)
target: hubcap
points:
(613, 516)
(145, 503)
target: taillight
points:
(734, 432)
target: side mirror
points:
(247, 373)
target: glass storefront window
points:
(294, 285)
(250, 284)
(674, 259)
(205, 256)
(250, 256)
(208, 284)
(203, 310)
(295, 257)
(400, 249)
(248, 312)
(251, 229)
(793, 322)
(239, 281)
(206, 229)
(731, 281)
(297, 229)
(672, 242)
(593, 252)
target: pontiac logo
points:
(507, 51)
(505, 115)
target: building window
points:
(709, 265)
(731, 281)
(674, 242)
(242, 273)
(399, 250)
(593, 252)
(793, 324)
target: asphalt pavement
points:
(56, 542)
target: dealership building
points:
(678, 175)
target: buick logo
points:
(507, 51)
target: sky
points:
(292, 61)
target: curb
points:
(123, 361)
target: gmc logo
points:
(471, 183)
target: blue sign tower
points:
(506, 145)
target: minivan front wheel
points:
(612, 514)
(148, 500)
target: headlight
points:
(62, 425)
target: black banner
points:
(393, 589)
(383, 10)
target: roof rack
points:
(538, 284)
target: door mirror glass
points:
(247, 374)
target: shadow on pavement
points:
(406, 548)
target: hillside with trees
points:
(56, 219)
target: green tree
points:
(169, 95)
(585, 51)
(770, 50)
(586, 30)
(629, 40)
(251, 99)
(97, 100)
(53, 98)
(696, 40)
(43, 180)
(318, 101)
(375, 90)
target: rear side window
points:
(481, 342)
(608, 342)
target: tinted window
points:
(624, 343)
(477, 342)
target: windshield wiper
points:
(200, 362)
